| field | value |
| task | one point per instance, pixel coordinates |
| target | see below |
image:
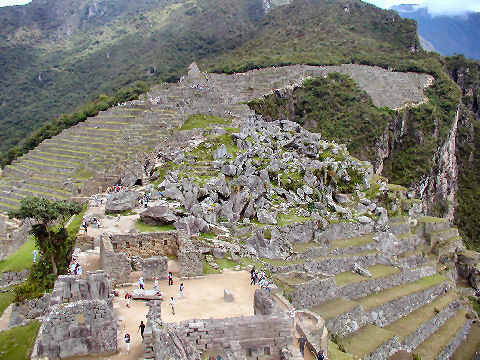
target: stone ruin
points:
(149, 253)
(266, 335)
(80, 319)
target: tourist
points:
(35, 256)
(127, 342)
(118, 217)
(85, 229)
(172, 304)
(141, 328)
(292, 316)
(140, 282)
(180, 292)
(321, 356)
(170, 278)
(301, 343)
(253, 276)
(155, 285)
(127, 298)
(79, 270)
(98, 224)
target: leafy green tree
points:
(50, 233)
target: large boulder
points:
(158, 215)
(121, 201)
(192, 224)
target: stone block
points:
(73, 347)
(228, 296)
(219, 253)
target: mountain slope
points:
(51, 62)
(449, 35)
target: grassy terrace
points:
(334, 352)
(435, 343)
(408, 324)
(140, 226)
(377, 271)
(333, 308)
(302, 247)
(6, 298)
(20, 259)
(366, 340)
(468, 348)
(276, 262)
(395, 292)
(351, 242)
(17, 343)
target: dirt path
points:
(5, 318)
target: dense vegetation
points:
(53, 239)
(335, 107)
(69, 53)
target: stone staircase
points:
(405, 304)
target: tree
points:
(50, 233)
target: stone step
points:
(413, 329)
(41, 193)
(398, 226)
(38, 170)
(43, 166)
(80, 146)
(436, 236)
(4, 207)
(24, 173)
(377, 271)
(7, 191)
(442, 344)
(429, 224)
(38, 180)
(38, 157)
(470, 348)
(35, 187)
(5, 199)
(352, 245)
(448, 246)
(370, 342)
(45, 152)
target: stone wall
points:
(190, 258)
(385, 351)
(85, 327)
(412, 341)
(117, 265)
(347, 323)
(13, 277)
(449, 350)
(84, 242)
(148, 244)
(343, 230)
(13, 234)
(154, 267)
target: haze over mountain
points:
(449, 34)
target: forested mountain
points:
(57, 55)
(448, 34)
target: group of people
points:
(260, 278)
(116, 189)
(75, 268)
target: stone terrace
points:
(57, 167)
(403, 305)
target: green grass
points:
(435, 343)
(202, 122)
(140, 226)
(226, 263)
(74, 225)
(395, 292)
(291, 218)
(355, 241)
(377, 271)
(408, 324)
(431, 219)
(20, 259)
(207, 269)
(302, 247)
(82, 174)
(17, 343)
(334, 352)
(366, 340)
(330, 309)
(6, 298)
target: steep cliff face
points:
(466, 74)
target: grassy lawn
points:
(395, 292)
(467, 349)
(202, 122)
(6, 298)
(431, 219)
(377, 271)
(435, 343)
(302, 247)
(20, 259)
(408, 324)
(366, 340)
(355, 241)
(140, 226)
(17, 343)
(333, 308)
(291, 218)
(334, 352)
(226, 263)
(74, 225)
(207, 269)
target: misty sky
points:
(435, 7)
